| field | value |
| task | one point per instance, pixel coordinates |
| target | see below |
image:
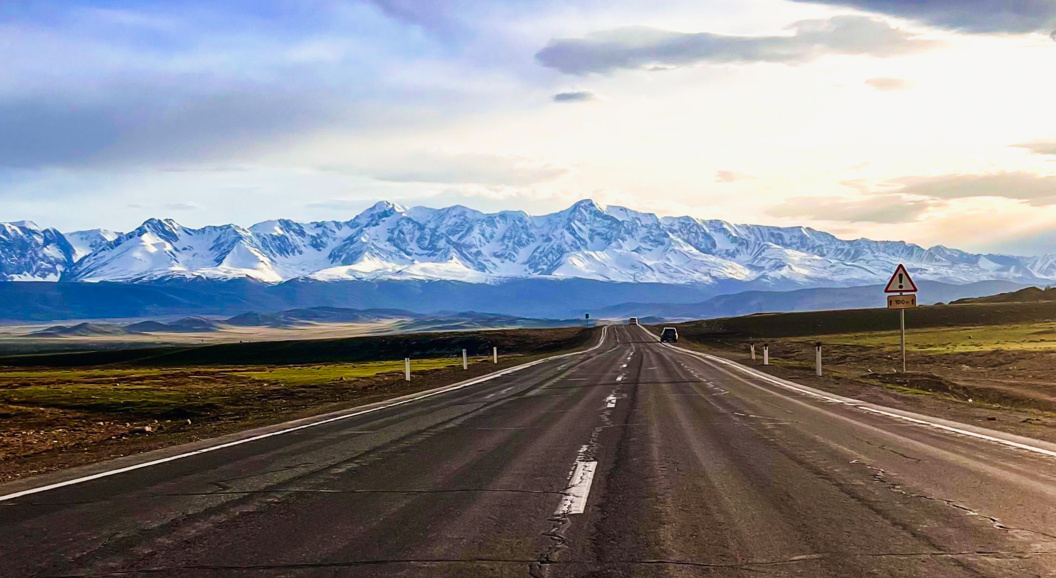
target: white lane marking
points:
(55, 486)
(867, 408)
(491, 395)
(575, 500)
(961, 431)
(619, 378)
(624, 366)
(610, 401)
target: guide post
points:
(906, 298)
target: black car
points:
(669, 335)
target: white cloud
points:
(888, 84)
(732, 176)
(1037, 190)
(883, 208)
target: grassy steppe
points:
(982, 362)
(59, 410)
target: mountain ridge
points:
(585, 241)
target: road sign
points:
(901, 301)
(900, 282)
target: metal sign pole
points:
(902, 340)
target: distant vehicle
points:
(634, 321)
(669, 335)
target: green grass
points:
(79, 374)
(908, 390)
(851, 321)
(326, 373)
(1022, 337)
(166, 393)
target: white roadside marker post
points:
(766, 354)
(753, 351)
(465, 363)
(817, 358)
(494, 354)
(407, 368)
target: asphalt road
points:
(632, 459)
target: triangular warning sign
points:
(900, 282)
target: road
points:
(633, 459)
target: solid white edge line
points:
(455, 387)
(871, 408)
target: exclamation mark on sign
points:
(899, 280)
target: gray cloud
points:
(429, 14)
(181, 206)
(577, 96)
(1041, 147)
(1034, 189)
(879, 208)
(138, 125)
(455, 168)
(983, 16)
(644, 48)
(888, 84)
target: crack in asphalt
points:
(190, 524)
(556, 533)
(230, 492)
(885, 448)
(749, 565)
(879, 476)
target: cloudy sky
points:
(924, 120)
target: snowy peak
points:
(586, 240)
(29, 253)
(86, 242)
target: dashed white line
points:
(610, 401)
(619, 378)
(490, 395)
(575, 500)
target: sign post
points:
(901, 284)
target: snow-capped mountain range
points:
(456, 243)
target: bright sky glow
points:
(892, 119)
